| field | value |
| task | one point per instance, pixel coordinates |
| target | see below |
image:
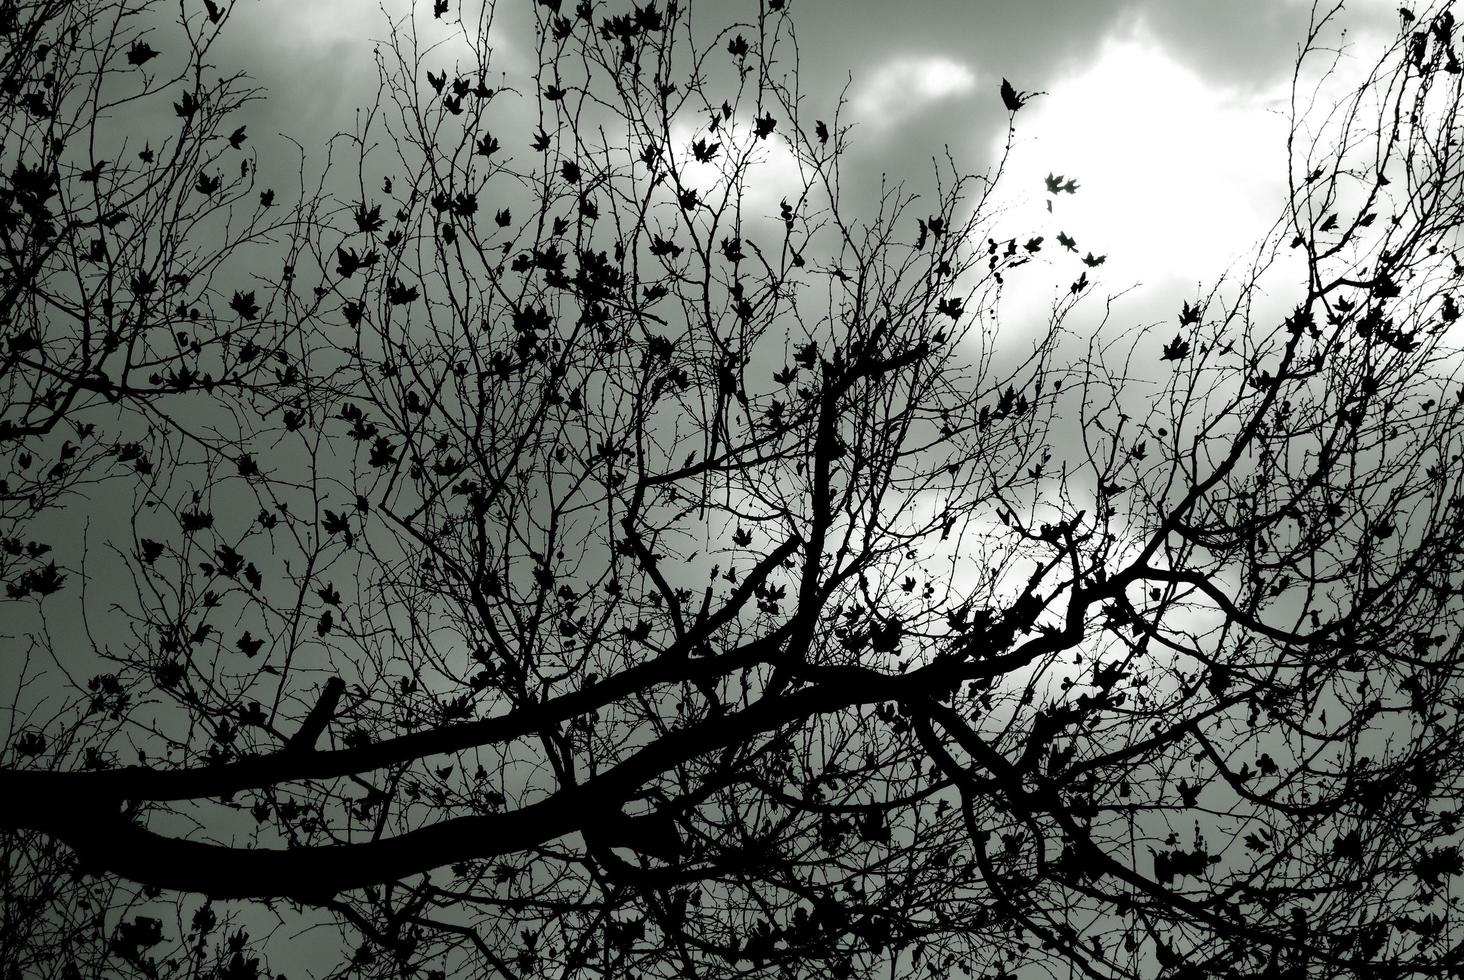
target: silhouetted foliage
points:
(567, 540)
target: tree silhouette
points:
(568, 541)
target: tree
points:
(556, 547)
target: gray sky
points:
(1170, 113)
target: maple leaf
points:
(1176, 350)
(244, 305)
(333, 523)
(1011, 98)
(1189, 795)
(885, 636)
(1068, 243)
(704, 152)
(140, 53)
(347, 262)
(382, 452)
(399, 293)
(1058, 184)
(37, 581)
(32, 743)
(660, 247)
(368, 220)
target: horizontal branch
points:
(315, 873)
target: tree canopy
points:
(562, 534)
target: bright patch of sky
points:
(1177, 177)
(906, 85)
(777, 174)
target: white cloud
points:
(901, 87)
(1177, 177)
(773, 169)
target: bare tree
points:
(570, 542)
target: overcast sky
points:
(1170, 113)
